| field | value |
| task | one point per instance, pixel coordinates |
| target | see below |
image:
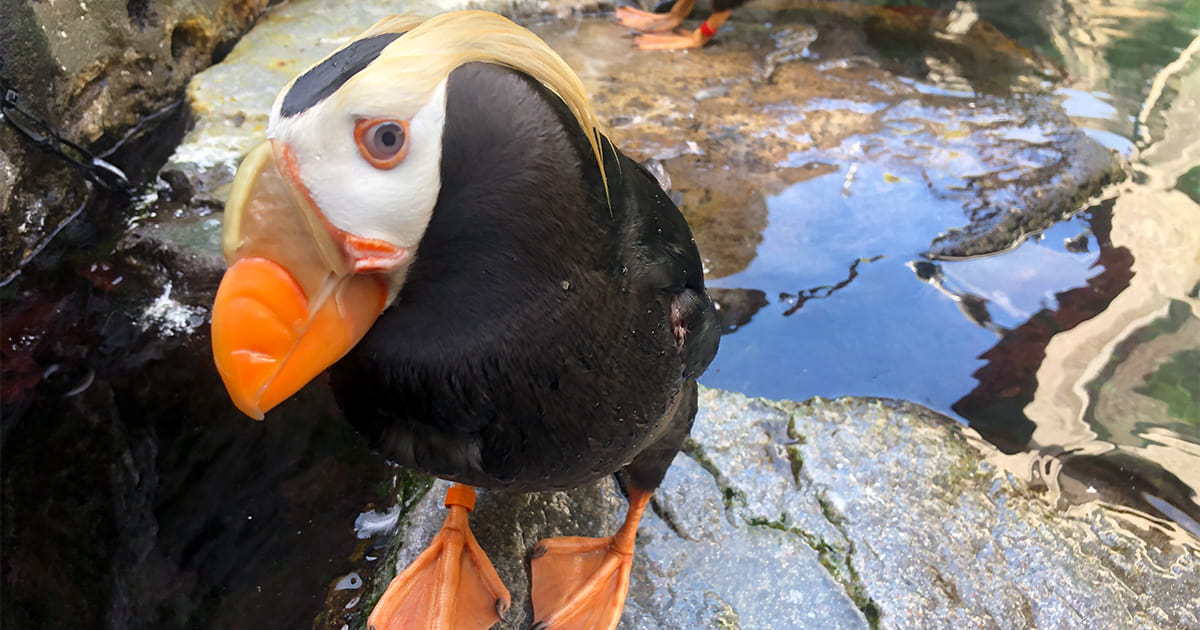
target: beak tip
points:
(251, 409)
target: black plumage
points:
(325, 78)
(546, 334)
(717, 5)
(726, 5)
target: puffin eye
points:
(382, 142)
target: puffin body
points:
(548, 334)
(505, 299)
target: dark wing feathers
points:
(666, 259)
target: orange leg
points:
(681, 39)
(450, 586)
(647, 22)
(581, 583)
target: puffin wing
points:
(665, 259)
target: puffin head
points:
(327, 215)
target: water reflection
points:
(736, 307)
(874, 333)
(1008, 380)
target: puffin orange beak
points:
(290, 304)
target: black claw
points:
(538, 551)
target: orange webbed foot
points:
(581, 583)
(645, 21)
(678, 40)
(451, 586)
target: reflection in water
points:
(799, 299)
(1008, 381)
(1122, 380)
(736, 307)
(729, 214)
(1122, 479)
(973, 307)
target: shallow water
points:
(1075, 351)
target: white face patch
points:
(392, 205)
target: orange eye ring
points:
(372, 136)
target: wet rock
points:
(92, 70)
(850, 513)
(184, 249)
(38, 195)
(134, 496)
(676, 584)
(1053, 169)
(942, 538)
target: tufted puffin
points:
(503, 298)
(659, 28)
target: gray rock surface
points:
(849, 513)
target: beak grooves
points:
(269, 340)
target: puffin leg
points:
(681, 39)
(648, 22)
(581, 583)
(450, 586)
